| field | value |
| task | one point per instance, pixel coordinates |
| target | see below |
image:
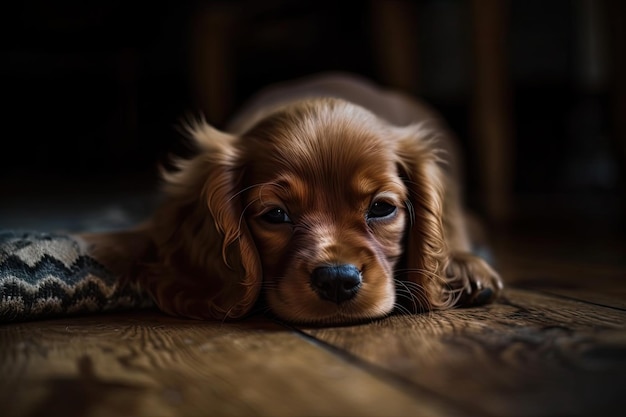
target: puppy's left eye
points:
(276, 216)
(380, 209)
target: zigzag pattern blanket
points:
(44, 275)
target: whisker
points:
(429, 274)
(269, 285)
(241, 216)
(452, 288)
(238, 193)
(411, 210)
(409, 293)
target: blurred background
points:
(534, 89)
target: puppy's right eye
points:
(381, 209)
(276, 216)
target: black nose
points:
(337, 283)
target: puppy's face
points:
(312, 207)
(326, 207)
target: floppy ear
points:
(425, 255)
(205, 264)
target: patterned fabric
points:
(45, 275)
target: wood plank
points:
(529, 354)
(592, 270)
(616, 299)
(602, 284)
(147, 364)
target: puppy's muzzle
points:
(336, 283)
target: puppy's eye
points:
(381, 209)
(276, 216)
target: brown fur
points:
(209, 251)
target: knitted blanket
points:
(43, 275)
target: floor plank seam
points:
(565, 297)
(387, 377)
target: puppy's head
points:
(332, 213)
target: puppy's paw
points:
(471, 281)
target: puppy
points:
(329, 199)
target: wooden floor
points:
(554, 345)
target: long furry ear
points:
(206, 265)
(422, 269)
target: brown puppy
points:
(334, 199)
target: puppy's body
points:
(337, 200)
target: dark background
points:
(92, 91)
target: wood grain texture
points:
(530, 354)
(152, 365)
(555, 345)
(592, 270)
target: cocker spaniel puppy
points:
(328, 199)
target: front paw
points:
(471, 281)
